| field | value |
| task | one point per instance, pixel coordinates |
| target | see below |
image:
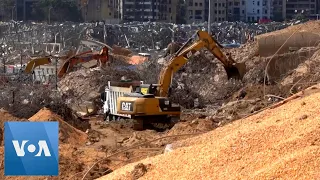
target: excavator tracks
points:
(156, 123)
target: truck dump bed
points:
(114, 90)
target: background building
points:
(307, 8)
(98, 10)
(219, 10)
(279, 10)
(149, 10)
(196, 11)
(234, 10)
(175, 11)
(257, 9)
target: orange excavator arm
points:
(76, 59)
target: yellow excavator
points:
(150, 103)
(33, 63)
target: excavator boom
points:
(33, 63)
(233, 69)
(102, 57)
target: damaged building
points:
(150, 10)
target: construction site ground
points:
(255, 129)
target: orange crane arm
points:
(74, 60)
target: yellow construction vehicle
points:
(33, 63)
(150, 103)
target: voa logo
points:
(20, 147)
(31, 149)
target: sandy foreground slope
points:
(277, 143)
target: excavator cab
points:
(148, 89)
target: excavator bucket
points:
(236, 71)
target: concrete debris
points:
(81, 89)
(38, 39)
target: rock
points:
(139, 170)
(303, 117)
(168, 148)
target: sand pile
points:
(195, 126)
(6, 116)
(276, 143)
(67, 133)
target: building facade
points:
(219, 10)
(196, 11)
(24, 9)
(279, 10)
(101, 10)
(306, 8)
(149, 10)
(256, 10)
(235, 10)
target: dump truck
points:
(112, 92)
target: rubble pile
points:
(81, 89)
(203, 78)
(25, 100)
(291, 153)
(30, 39)
(305, 74)
(202, 81)
(311, 26)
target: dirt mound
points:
(121, 51)
(306, 74)
(310, 26)
(281, 142)
(67, 133)
(195, 126)
(5, 116)
(73, 163)
(244, 52)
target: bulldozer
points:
(150, 104)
